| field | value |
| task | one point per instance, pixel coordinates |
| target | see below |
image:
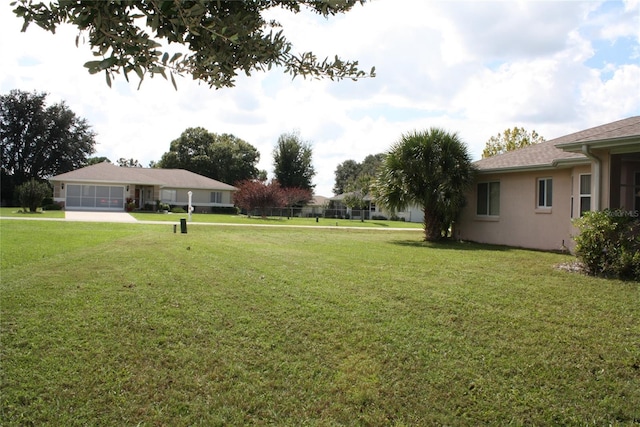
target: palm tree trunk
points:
(432, 226)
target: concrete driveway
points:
(98, 216)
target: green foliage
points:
(38, 141)
(224, 210)
(293, 162)
(96, 160)
(349, 172)
(430, 169)
(51, 207)
(219, 39)
(32, 193)
(609, 243)
(178, 209)
(224, 157)
(509, 140)
(128, 163)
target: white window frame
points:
(168, 196)
(216, 197)
(492, 211)
(544, 191)
(584, 195)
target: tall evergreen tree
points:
(293, 162)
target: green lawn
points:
(256, 220)
(131, 324)
(17, 212)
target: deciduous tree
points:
(128, 163)
(216, 40)
(96, 160)
(32, 193)
(223, 157)
(296, 197)
(293, 163)
(348, 172)
(430, 169)
(509, 140)
(258, 195)
(39, 141)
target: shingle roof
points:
(318, 201)
(547, 154)
(173, 178)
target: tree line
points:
(39, 141)
(431, 169)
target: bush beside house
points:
(609, 243)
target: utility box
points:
(183, 225)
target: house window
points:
(488, 199)
(216, 197)
(545, 192)
(636, 191)
(585, 193)
(168, 196)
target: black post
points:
(183, 225)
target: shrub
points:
(609, 243)
(178, 209)
(51, 207)
(31, 194)
(226, 210)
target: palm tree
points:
(431, 169)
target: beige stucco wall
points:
(202, 197)
(521, 223)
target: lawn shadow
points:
(450, 244)
(380, 224)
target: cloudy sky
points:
(471, 67)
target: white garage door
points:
(94, 197)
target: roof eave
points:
(617, 143)
(558, 163)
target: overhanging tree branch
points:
(221, 38)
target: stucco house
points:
(105, 186)
(529, 197)
(371, 210)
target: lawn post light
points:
(190, 208)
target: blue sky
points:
(471, 67)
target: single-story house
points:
(315, 207)
(371, 210)
(529, 197)
(105, 186)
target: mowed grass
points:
(282, 221)
(18, 213)
(130, 324)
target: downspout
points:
(596, 175)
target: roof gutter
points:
(596, 175)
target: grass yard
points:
(256, 220)
(130, 324)
(17, 212)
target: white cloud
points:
(474, 68)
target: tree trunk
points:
(432, 226)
